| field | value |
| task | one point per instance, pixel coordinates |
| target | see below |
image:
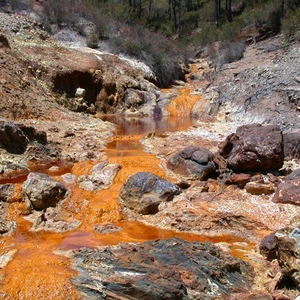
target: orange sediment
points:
(35, 271)
(183, 104)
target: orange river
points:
(36, 270)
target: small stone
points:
(256, 188)
(80, 93)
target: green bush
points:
(160, 54)
(291, 24)
(92, 41)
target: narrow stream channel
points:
(36, 271)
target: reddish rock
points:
(267, 246)
(254, 147)
(291, 144)
(238, 179)
(288, 192)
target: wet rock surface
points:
(254, 147)
(192, 162)
(143, 192)
(41, 191)
(169, 269)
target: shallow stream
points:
(36, 270)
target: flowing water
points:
(36, 271)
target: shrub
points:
(160, 54)
(228, 52)
(92, 41)
(291, 25)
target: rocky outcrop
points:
(289, 190)
(41, 191)
(168, 269)
(284, 246)
(15, 138)
(143, 192)
(100, 177)
(12, 138)
(192, 162)
(254, 147)
(261, 87)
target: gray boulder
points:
(143, 192)
(15, 138)
(41, 191)
(192, 162)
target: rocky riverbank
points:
(228, 178)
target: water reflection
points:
(130, 130)
(145, 125)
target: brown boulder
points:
(267, 246)
(291, 144)
(192, 162)
(254, 147)
(289, 191)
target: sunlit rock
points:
(289, 190)
(106, 228)
(53, 219)
(41, 191)
(257, 188)
(254, 147)
(161, 269)
(143, 192)
(238, 179)
(100, 177)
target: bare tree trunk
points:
(140, 9)
(229, 11)
(174, 15)
(170, 10)
(281, 10)
(179, 18)
(218, 11)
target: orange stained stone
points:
(183, 104)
